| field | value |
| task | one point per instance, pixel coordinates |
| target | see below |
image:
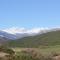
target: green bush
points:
(9, 51)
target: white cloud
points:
(15, 30)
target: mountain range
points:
(30, 38)
(16, 33)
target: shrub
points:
(9, 51)
(53, 53)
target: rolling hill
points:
(45, 39)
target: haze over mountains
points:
(16, 33)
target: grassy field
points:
(41, 53)
(46, 52)
(43, 49)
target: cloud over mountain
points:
(15, 32)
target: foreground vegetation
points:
(42, 53)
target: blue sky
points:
(29, 13)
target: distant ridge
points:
(16, 33)
(50, 38)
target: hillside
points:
(46, 39)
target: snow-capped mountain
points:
(7, 35)
(15, 33)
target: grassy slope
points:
(47, 39)
(45, 50)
